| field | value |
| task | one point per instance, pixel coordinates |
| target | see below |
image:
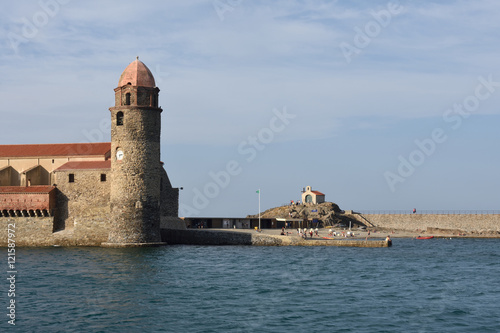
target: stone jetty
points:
(238, 237)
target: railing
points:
(434, 212)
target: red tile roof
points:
(61, 149)
(137, 74)
(85, 165)
(26, 189)
(317, 192)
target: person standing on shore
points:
(414, 210)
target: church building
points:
(111, 193)
(312, 197)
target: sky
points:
(380, 105)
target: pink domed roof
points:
(137, 74)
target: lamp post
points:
(259, 208)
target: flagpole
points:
(259, 210)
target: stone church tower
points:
(136, 170)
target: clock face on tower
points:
(119, 155)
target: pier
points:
(250, 237)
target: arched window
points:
(309, 198)
(119, 118)
(127, 99)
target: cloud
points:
(286, 35)
(221, 79)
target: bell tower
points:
(135, 160)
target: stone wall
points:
(38, 231)
(80, 219)
(136, 179)
(172, 222)
(205, 237)
(216, 237)
(83, 206)
(138, 96)
(169, 197)
(29, 231)
(412, 222)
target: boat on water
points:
(425, 237)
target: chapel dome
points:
(137, 74)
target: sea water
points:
(438, 285)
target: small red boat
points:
(425, 237)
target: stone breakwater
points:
(217, 237)
(38, 231)
(453, 223)
(90, 231)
